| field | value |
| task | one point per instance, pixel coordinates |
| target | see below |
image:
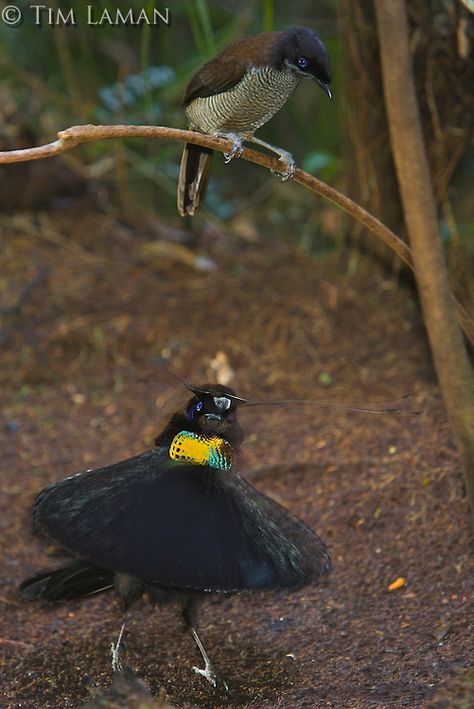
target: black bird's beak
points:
(325, 88)
(213, 417)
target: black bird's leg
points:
(130, 590)
(284, 155)
(189, 614)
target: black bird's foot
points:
(210, 674)
(116, 651)
(290, 169)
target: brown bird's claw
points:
(290, 169)
(236, 152)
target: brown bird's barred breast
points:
(245, 107)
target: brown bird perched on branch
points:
(241, 89)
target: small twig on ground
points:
(19, 644)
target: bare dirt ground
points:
(86, 315)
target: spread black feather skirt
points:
(180, 526)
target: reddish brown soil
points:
(385, 492)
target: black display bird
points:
(241, 89)
(177, 522)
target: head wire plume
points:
(239, 401)
(388, 406)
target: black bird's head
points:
(301, 50)
(212, 411)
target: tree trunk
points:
(369, 174)
(447, 345)
(440, 45)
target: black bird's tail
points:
(75, 580)
(193, 177)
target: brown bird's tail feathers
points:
(193, 177)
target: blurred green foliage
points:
(53, 76)
(59, 76)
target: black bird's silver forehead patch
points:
(222, 402)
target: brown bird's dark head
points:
(301, 50)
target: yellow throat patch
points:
(201, 450)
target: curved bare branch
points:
(71, 137)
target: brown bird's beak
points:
(325, 88)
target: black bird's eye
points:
(302, 62)
(194, 409)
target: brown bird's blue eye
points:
(302, 62)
